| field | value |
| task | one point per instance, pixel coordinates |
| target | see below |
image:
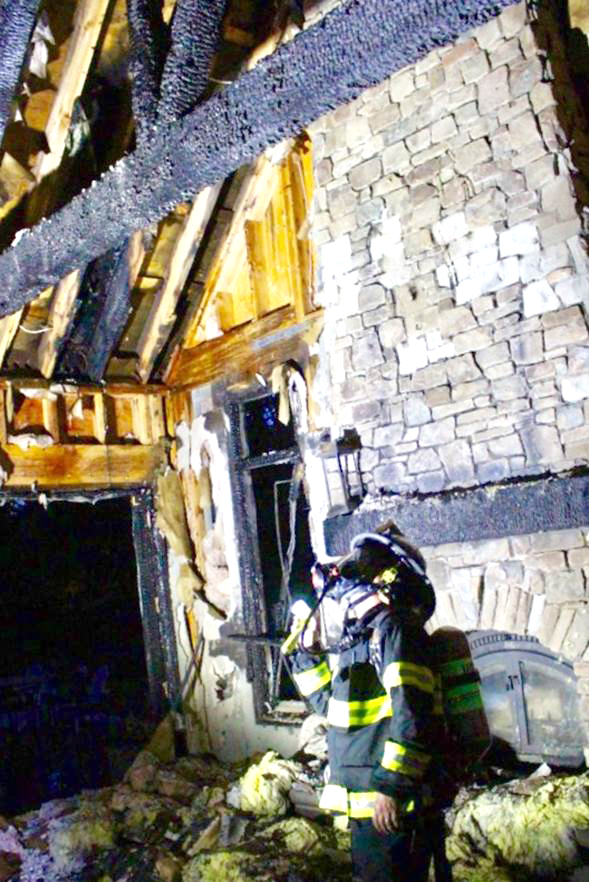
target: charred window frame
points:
(265, 667)
(152, 583)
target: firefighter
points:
(363, 659)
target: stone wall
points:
(535, 584)
(453, 271)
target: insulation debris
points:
(173, 822)
(264, 787)
(525, 832)
(197, 820)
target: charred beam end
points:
(103, 310)
(17, 19)
(526, 506)
(196, 32)
(149, 46)
(356, 46)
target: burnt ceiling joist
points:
(169, 75)
(196, 28)
(357, 45)
(17, 19)
(149, 46)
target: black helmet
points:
(387, 560)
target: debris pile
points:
(189, 821)
(523, 830)
(195, 820)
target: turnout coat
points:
(382, 701)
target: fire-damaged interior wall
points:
(451, 213)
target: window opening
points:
(275, 542)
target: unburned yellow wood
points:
(82, 465)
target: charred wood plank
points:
(196, 30)
(356, 46)
(149, 46)
(17, 19)
(103, 309)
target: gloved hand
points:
(304, 632)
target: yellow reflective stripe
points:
(345, 714)
(408, 674)
(362, 804)
(313, 679)
(334, 799)
(398, 758)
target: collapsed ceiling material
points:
(355, 46)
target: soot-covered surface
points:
(16, 23)
(357, 45)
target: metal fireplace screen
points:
(530, 698)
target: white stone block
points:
(539, 297)
(468, 290)
(575, 388)
(450, 228)
(447, 350)
(389, 234)
(521, 239)
(443, 276)
(412, 355)
(402, 85)
(573, 290)
(482, 258)
(499, 275)
(483, 237)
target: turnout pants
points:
(398, 857)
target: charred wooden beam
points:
(17, 19)
(103, 309)
(532, 505)
(195, 36)
(149, 46)
(356, 46)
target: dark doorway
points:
(73, 679)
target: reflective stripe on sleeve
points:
(314, 679)
(398, 758)
(334, 799)
(408, 674)
(345, 714)
(361, 805)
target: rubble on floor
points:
(523, 830)
(196, 820)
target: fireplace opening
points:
(530, 699)
(74, 694)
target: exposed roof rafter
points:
(357, 45)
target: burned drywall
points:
(355, 46)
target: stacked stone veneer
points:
(453, 271)
(534, 584)
(455, 282)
